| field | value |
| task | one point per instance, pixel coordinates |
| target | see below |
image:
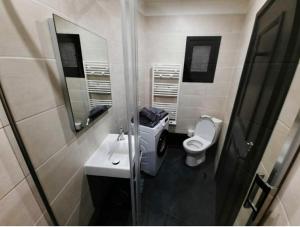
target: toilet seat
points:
(196, 144)
(206, 129)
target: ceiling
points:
(193, 7)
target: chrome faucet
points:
(121, 135)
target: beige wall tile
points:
(26, 34)
(42, 221)
(292, 102)
(93, 11)
(19, 207)
(289, 194)
(10, 171)
(196, 89)
(184, 124)
(83, 212)
(3, 118)
(228, 58)
(216, 103)
(86, 209)
(191, 101)
(74, 218)
(54, 4)
(36, 194)
(218, 113)
(31, 86)
(220, 89)
(230, 41)
(224, 74)
(277, 216)
(45, 134)
(58, 169)
(15, 147)
(275, 144)
(190, 113)
(69, 197)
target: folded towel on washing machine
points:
(148, 118)
(159, 112)
(148, 114)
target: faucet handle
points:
(121, 135)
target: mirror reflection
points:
(86, 71)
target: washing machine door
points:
(162, 143)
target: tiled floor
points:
(180, 195)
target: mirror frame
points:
(64, 86)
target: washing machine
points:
(153, 144)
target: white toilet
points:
(206, 134)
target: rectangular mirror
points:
(86, 72)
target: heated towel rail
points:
(166, 88)
(97, 75)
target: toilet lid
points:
(206, 129)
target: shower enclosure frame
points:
(130, 56)
(40, 196)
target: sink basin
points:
(111, 159)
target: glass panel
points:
(200, 58)
(129, 11)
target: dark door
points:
(271, 61)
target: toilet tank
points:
(218, 124)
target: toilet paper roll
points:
(78, 125)
(190, 133)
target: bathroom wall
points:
(17, 202)
(32, 86)
(246, 32)
(165, 40)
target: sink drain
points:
(115, 162)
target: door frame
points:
(293, 54)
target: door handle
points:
(250, 146)
(265, 194)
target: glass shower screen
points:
(131, 77)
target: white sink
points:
(111, 159)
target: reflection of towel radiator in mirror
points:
(97, 75)
(166, 88)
